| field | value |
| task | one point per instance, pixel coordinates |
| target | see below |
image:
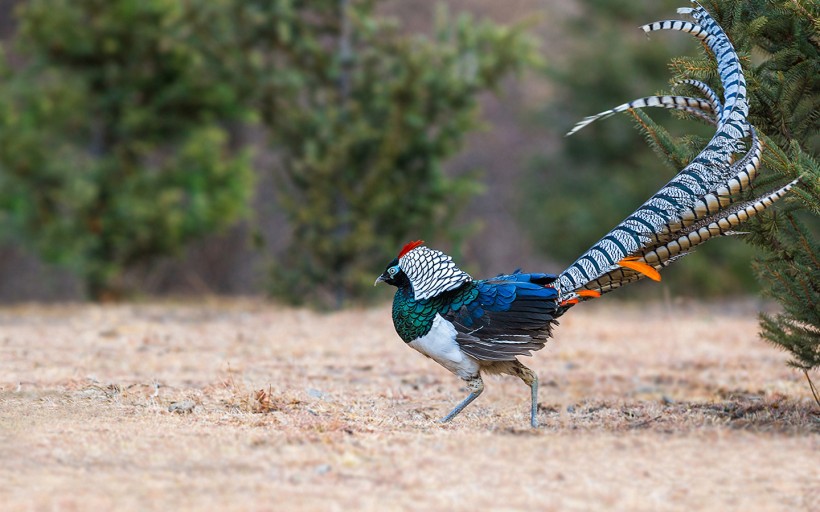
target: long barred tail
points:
(663, 254)
(699, 107)
(701, 201)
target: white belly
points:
(440, 345)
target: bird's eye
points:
(392, 271)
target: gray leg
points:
(476, 386)
(530, 379)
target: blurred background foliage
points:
(116, 144)
(113, 140)
(319, 136)
(361, 160)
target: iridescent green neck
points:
(413, 319)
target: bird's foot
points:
(476, 386)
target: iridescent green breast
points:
(414, 318)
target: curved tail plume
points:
(699, 107)
(702, 201)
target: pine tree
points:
(362, 116)
(784, 37)
(779, 43)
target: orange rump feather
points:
(590, 294)
(640, 267)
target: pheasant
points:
(474, 327)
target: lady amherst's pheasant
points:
(472, 327)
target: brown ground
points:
(668, 408)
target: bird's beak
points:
(379, 279)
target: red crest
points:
(409, 246)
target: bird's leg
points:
(530, 379)
(476, 386)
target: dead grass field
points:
(668, 408)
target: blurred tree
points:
(597, 177)
(362, 117)
(112, 148)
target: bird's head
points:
(393, 274)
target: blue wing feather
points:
(508, 315)
(499, 293)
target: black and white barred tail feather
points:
(725, 194)
(700, 201)
(698, 107)
(657, 254)
(718, 224)
(701, 176)
(724, 220)
(707, 108)
(707, 91)
(728, 63)
(729, 70)
(663, 254)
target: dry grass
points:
(678, 408)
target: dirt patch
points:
(246, 406)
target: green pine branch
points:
(784, 94)
(778, 45)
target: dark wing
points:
(510, 316)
